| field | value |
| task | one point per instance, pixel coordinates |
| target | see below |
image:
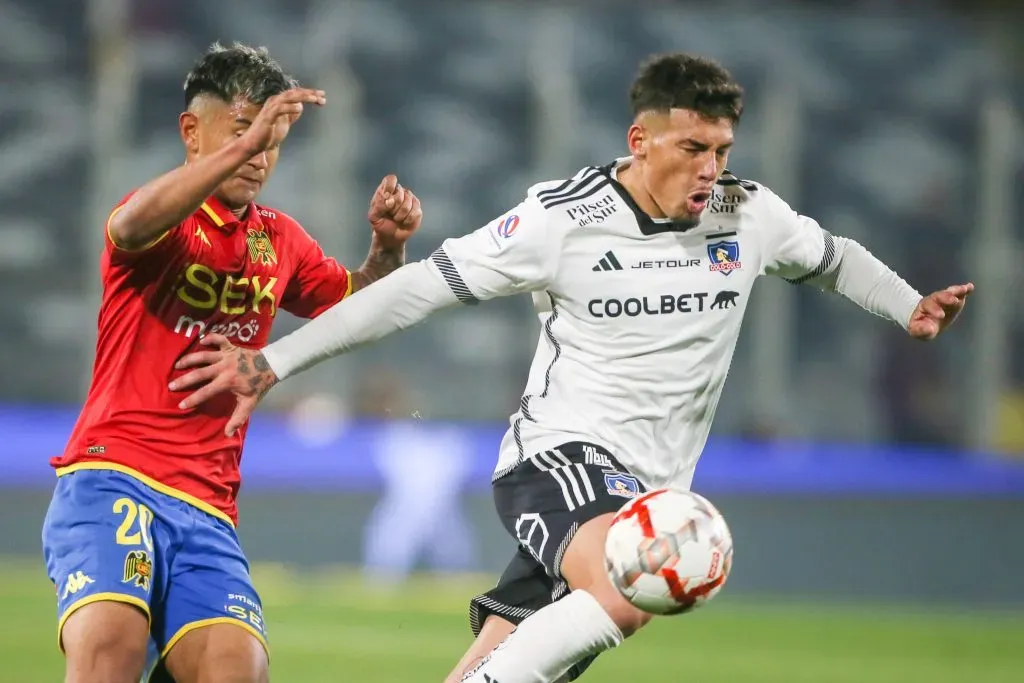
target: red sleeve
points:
(318, 282)
(119, 256)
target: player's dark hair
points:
(237, 71)
(682, 81)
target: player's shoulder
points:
(730, 189)
(550, 195)
(730, 184)
(278, 221)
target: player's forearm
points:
(166, 201)
(379, 262)
(871, 284)
(395, 303)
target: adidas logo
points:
(608, 262)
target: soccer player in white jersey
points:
(640, 272)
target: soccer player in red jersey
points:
(139, 538)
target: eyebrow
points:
(243, 120)
(703, 145)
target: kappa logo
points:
(725, 300)
(138, 569)
(607, 262)
(202, 236)
(76, 582)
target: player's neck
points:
(629, 178)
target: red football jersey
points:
(212, 273)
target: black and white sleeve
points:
(800, 250)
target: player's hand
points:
(395, 213)
(243, 372)
(938, 310)
(271, 125)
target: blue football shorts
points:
(109, 536)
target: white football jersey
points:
(639, 317)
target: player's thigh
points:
(213, 627)
(217, 653)
(101, 554)
(105, 642)
(583, 567)
(559, 505)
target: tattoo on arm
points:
(261, 363)
(379, 263)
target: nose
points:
(709, 169)
(259, 161)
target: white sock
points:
(548, 642)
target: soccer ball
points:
(668, 551)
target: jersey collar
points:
(648, 226)
(223, 218)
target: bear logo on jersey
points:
(725, 256)
(725, 299)
(260, 248)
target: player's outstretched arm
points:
(802, 252)
(517, 253)
(397, 302)
(166, 201)
(395, 214)
(864, 279)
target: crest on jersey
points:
(260, 248)
(620, 484)
(138, 569)
(725, 256)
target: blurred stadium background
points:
(875, 487)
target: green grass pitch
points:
(330, 627)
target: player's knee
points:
(105, 642)
(628, 618)
(583, 566)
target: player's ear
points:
(188, 126)
(636, 140)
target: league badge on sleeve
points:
(725, 256)
(507, 226)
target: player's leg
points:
(494, 630)
(564, 525)
(213, 629)
(217, 653)
(105, 641)
(523, 588)
(99, 551)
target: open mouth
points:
(696, 202)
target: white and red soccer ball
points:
(668, 551)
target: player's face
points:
(218, 123)
(682, 155)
